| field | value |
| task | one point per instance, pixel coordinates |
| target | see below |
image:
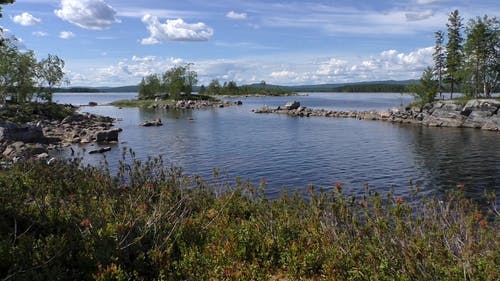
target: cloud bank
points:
(387, 65)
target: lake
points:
(291, 153)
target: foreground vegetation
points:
(61, 221)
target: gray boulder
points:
(153, 123)
(477, 119)
(107, 135)
(292, 105)
(12, 132)
(486, 105)
(493, 123)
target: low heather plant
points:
(65, 221)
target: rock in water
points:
(107, 135)
(153, 123)
(100, 150)
(291, 105)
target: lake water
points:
(291, 153)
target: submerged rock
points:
(100, 150)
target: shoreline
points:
(478, 113)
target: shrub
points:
(65, 221)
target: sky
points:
(117, 42)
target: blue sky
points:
(116, 42)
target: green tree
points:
(3, 2)
(454, 55)
(231, 88)
(439, 60)
(202, 90)
(8, 58)
(179, 79)
(482, 56)
(150, 86)
(50, 74)
(214, 87)
(24, 82)
(425, 91)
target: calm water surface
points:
(291, 153)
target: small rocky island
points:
(477, 113)
(45, 132)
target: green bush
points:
(65, 221)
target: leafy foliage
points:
(425, 91)
(177, 80)
(231, 89)
(22, 76)
(152, 223)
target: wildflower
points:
(86, 223)
(483, 224)
(263, 181)
(310, 188)
(478, 216)
(338, 186)
(148, 186)
(143, 207)
(363, 203)
(399, 200)
(460, 186)
(72, 197)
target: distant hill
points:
(367, 86)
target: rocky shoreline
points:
(194, 104)
(478, 113)
(36, 139)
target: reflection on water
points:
(294, 152)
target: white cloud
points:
(66, 35)
(174, 30)
(40, 34)
(284, 74)
(236, 16)
(88, 14)
(387, 65)
(26, 19)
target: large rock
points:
(493, 123)
(291, 105)
(107, 135)
(477, 119)
(485, 105)
(11, 132)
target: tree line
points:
(171, 84)
(468, 61)
(22, 76)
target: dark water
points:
(292, 152)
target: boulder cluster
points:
(36, 139)
(478, 113)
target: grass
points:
(27, 112)
(65, 221)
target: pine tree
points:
(482, 56)
(439, 61)
(454, 54)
